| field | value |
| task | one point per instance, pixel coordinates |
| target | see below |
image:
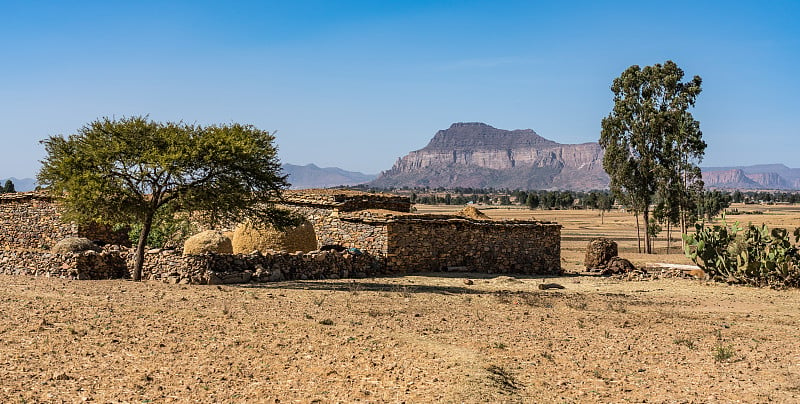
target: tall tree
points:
(8, 187)
(650, 139)
(126, 171)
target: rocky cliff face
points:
(774, 176)
(478, 155)
(734, 178)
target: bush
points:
(755, 255)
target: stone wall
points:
(347, 201)
(31, 221)
(168, 266)
(335, 228)
(85, 265)
(475, 246)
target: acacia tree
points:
(127, 171)
(651, 142)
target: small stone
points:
(545, 286)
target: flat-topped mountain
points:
(480, 156)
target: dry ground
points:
(422, 338)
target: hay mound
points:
(599, 252)
(247, 238)
(472, 213)
(74, 244)
(206, 242)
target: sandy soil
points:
(430, 338)
(422, 338)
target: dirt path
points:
(405, 339)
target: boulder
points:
(248, 237)
(71, 245)
(207, 242)
(599, 252)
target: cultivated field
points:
(421, 338)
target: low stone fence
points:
(169, 266)
(85, 265)
(210, 269)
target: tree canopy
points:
(134, 170)
(652, 142)
(8, 187)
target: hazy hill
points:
(480, 156)
(762, 176)
(311, 176)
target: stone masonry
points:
(384, 235)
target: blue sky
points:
(359, 84)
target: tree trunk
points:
(646, 217)
(669, 235)
(638, 234)
(137, 267)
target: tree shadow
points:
(382, 284)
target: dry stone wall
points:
(211, 269)
(347, 201)
(31, 221)
(85, 265)
(335, 228)
(475, 246)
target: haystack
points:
(74, 244)
(248, 238)
(472, 213)
(206, 242)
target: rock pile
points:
(599, 252)
(601, 256)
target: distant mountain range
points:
(477, 155)
(300, 177)
(311, 176)
(762, 176)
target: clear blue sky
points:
(359, 84)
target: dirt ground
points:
(421, 338)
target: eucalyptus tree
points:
(651, 141)
(133, 170)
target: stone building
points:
(380, 226)
(383, 225)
